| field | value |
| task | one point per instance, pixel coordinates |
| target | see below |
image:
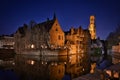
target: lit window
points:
(32, 46)
(32, 62)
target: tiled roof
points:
(43, 26)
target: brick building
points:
(47, 34)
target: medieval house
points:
(47, 34)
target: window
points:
(59, 37)
(59, 71)
(62, 37)
(56, 29)
(78, 42)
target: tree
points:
(96, 52)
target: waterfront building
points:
(78, 40)
(47, 34)
(6, 42)
(48, 39)
(78, 43)
(6, 47)
(116, 54)
(113, 39)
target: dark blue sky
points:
(70, 13)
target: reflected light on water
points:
(32, 62)
(48, 67)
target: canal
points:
(31, 67)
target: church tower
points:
(92, 27)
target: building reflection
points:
(49, 67)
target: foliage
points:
(96, 52)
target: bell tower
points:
(92, 27)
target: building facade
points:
(56, 35)
(78, 43)
(116, 54)
(6, 42)
(78, 40)
(47, 34)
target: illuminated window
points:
(32, 46)
(32, 62)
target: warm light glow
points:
(55, 64)
(108, 72)
(93, 66)
(45, 46)
(64, 62)
(42, 62)
(45, 62)
(82, 51)
(13, 63)
(82, 55)
(32, 46)
(116, 74)
(52, 63)
(83, 69)
(32, 62)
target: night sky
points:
(70, 13)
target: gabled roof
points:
(44, 26)
(47, 24)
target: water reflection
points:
(30, 67)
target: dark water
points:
(29, 67)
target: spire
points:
(54, 17)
